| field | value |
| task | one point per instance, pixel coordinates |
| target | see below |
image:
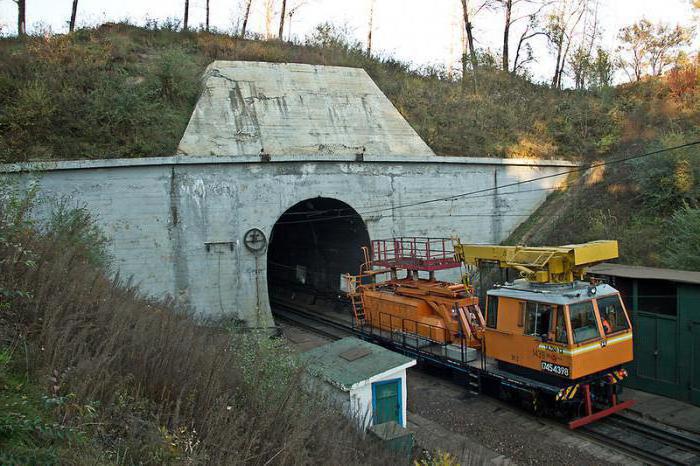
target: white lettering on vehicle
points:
(555, 369)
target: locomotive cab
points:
(563, 331)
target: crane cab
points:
(563, 331)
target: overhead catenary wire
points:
(474, 193)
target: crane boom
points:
(559, 264)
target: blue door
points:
(386, 402)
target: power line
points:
(475, 193)
(544, 177)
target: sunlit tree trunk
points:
(508, 5)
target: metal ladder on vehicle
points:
(358, 308)
(473, 383)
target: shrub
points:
(669, 179)
(683, 247)
(141, 377)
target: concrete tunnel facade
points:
(263, 139)
(177, 225)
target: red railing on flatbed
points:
(414, 253)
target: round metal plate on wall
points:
(255, 241)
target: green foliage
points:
(683, 247)
(87, 96)
(670, 179)
(123, 91)
(73, 227)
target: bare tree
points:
(469, 11)
(73, 13)
(207, 19)
(523, 52)
(653, 47)
(665, 42)
(513, 13)
(581, 61)
(563, 21)
(21, 17)
(290, 14)
(187, 15)
(369, 30)
(282, 14)
(636, 39)
(246, 15)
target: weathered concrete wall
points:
(295, 109)
(160, 212)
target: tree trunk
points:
(21, 17)
(517, 50)
(470, 34)
(74, 11)
(207, 20)
(508, 5)
(245, 18)
(284, 10)
(470, 48)
(369, 33)
(555, 79)
(187, 14)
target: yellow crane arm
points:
(559, 264)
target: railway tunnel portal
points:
(311, 245)
(281, 150)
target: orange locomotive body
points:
(570, 331)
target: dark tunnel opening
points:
(311, 246)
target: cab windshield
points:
(612, 315)
(583, 322)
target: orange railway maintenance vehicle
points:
(549, 340)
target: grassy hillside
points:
(651, 205)
(124, 91)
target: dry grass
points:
(145, 381)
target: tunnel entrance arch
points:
(311, 245)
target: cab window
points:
(612, 316)
(583, 322)
(560, 330)
(537, 318)
(492, 312)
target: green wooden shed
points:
(664, 306)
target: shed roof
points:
(635, 271)
(351, 362)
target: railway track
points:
(652, 442)
(297, 316)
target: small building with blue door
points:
(664, 306)
(367, 382)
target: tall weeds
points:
(159, 387)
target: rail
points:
(654, 442)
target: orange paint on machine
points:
(549, 337)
